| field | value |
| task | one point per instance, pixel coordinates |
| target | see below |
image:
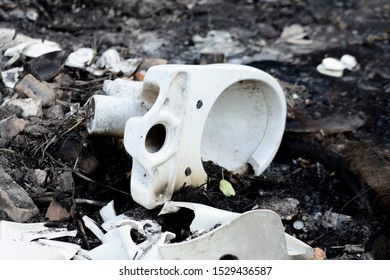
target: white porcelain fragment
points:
(332, 64)
(36, 49)
(12, 231)
(68, 250)
(116, 245)
(259, 233)
(108, 212)
(334, 73)
(14, 52)
(108, 58)
(125, 67)
(349, 61)
(116, 240)
(114, 222)
(80, 58)
(31, 48)
(295, 34)
(92, 226)
(16, 250)
(153, 252)
(10, 77)
(31, 241)
(8, 38)
(121, 222)
(206, 217)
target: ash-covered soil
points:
(334, 154)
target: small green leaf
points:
(226, 188)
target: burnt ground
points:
(334, 154)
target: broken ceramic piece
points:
(296, 35)
(12, 231)
(30, 241)
(331, 67)
(80, 58)
(206, 217)
(126, 67)
(334, 67)
(10, 77)
(108, 212)
(116, 238)
(117, 245)
(259, 233)
(36, 49)
(332, 64)
(42, 249)
(30, 48)
(93, 226)
(108, 58)
(349, 61)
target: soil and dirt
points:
(334, 154)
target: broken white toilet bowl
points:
(229, 114)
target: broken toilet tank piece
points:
(232, 115)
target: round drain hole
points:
(155, 138)
(199, 104)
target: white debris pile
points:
(267, 236)
(109, 61)
(15, 46)
(117, 243)
(260, 230)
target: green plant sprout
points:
(226, 187)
